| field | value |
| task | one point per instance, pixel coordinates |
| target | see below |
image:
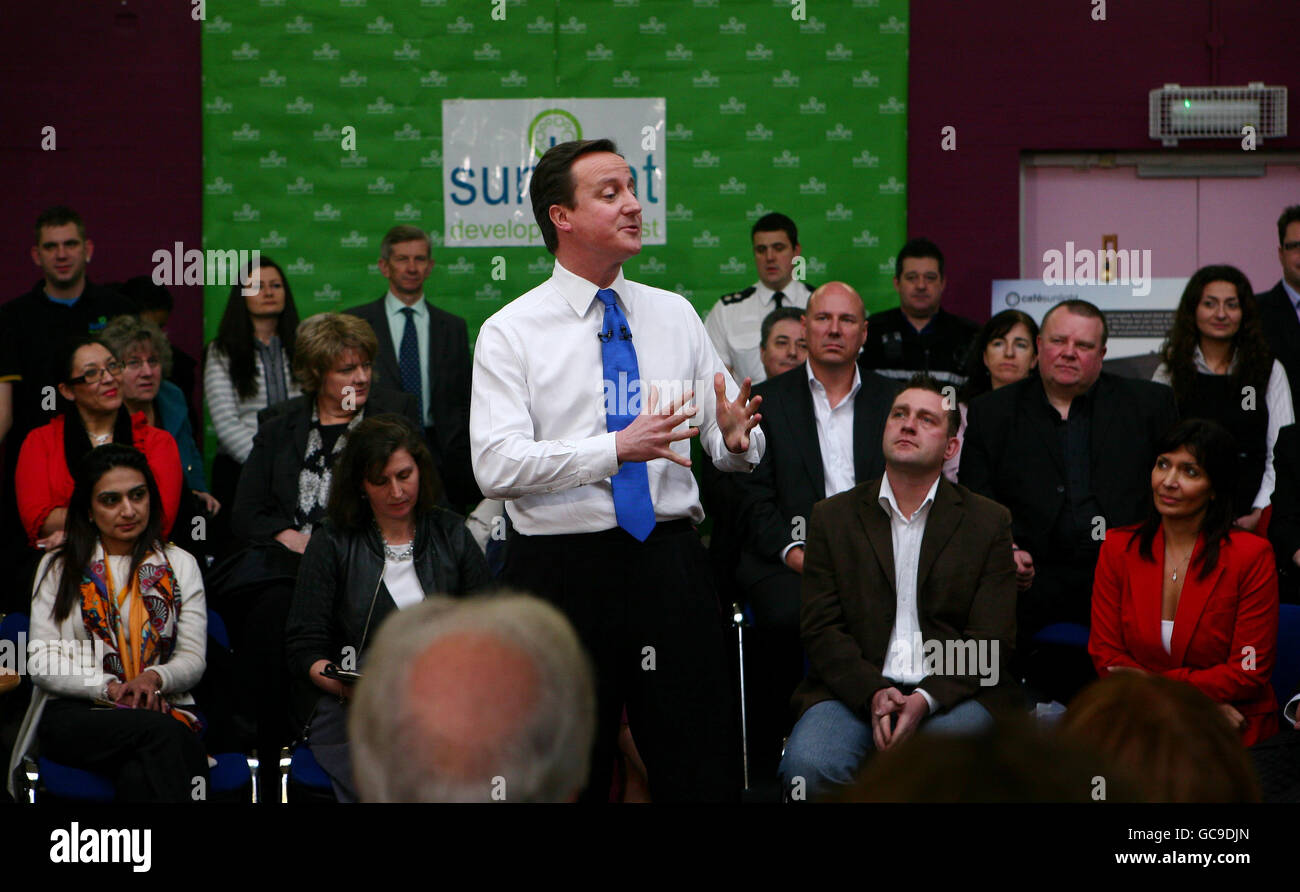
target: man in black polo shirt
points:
(32, 329)
(918, 335)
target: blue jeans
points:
(830, 741)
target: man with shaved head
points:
(823, 420)
(486, 699)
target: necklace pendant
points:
(1174, 578)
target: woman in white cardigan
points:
(247, 368)
(117, 641)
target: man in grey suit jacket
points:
(424, 351)
(909, 605)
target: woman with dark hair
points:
(247, 369)
(1184, 594)
(385, 546)
(93, 416)
(1004, 352)
(1218, 363)
(118, 632)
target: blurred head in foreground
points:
(482, 699)
(1016, 762)
(1175, 742)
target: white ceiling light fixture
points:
(1178, 112)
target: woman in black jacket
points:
(385, 546)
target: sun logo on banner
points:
(553, 126)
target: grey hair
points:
(124, 332)
(545, 758)
(403, 233)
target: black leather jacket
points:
(340, 575)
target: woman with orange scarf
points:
(118, 632)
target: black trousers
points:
(257, 620)
(774, 666)
(647, 614)
(150, 755)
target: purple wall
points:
(119, 82)
(1014, 76)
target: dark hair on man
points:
(367, 451)
(978, 380)
(78, 548)
(917, 248)
(552, 182)
(772, 318)
(147, 295)
(1289, 216)
(235, 335)
(1254, 360)
(1167, 736)
(403, 232)
(1080, 308)
(923, 381)
(59, 215)
(776, 223)
(1215, 451)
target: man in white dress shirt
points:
(909, 605)
(582, 392)
(736, 320)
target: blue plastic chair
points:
(305, 771)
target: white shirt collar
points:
(818, 385)
(578, 293)
(767, 295)
(890, 504)
(1198, 359)
(1291, 292)
(393, 305)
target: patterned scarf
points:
(146, 636)
(317, 472)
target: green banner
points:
(322, 129)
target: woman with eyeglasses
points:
(93, 415)
(146, 357)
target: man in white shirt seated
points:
(909, 605)
(824, 423)
(734, 323)
(582, 392)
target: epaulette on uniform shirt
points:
(738, 296)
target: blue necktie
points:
(408, 360)
(632, 504)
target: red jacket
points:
(1225, 628)
(43, 481)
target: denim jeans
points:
(830, 741)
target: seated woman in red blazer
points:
(93, 416)
(1186, 596)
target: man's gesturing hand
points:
(651, 434)
(736, 419)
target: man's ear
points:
(36, 255)
(953, 447)
(559, 215)
(90, 249)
